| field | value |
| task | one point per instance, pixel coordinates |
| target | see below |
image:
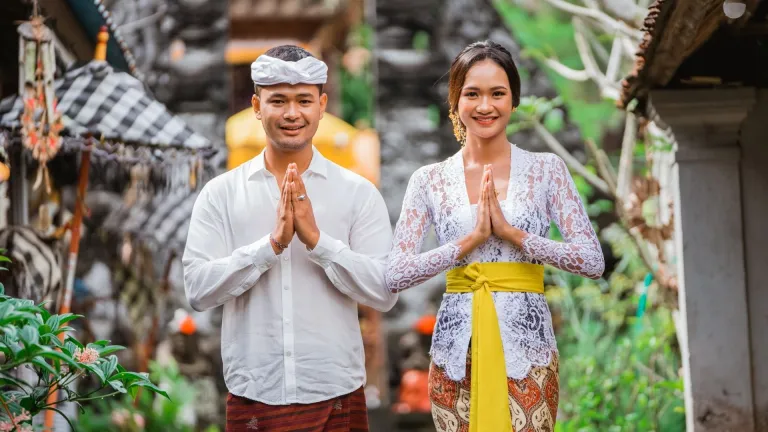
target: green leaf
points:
(75, 342)
(101, 343)
(148, 385)
(108, 349)
(108, 365)
(421, 41)
(28, 403)
(6, 379)
(29, 335)
(69, 348)
(117, 385)
(4, 259)
(67, 317)
(56, 355)
(96, 371)
(44, 330)
(53, 322)
(42, 364)
(65, 329)
(129, 377)
(554, 120)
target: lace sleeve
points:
(407, 267)
(580, 253)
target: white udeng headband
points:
(267, 71)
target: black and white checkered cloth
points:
(112, 105)
(36, 270)
(161, 221)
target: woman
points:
(491, 205)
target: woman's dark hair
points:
(290, 53)
(474, 53)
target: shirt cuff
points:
(261, 254)
(325, 250)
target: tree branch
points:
(607, 88)
(574, 164)
(624, 176)
(598, 15)
(614, 62)
(565, 71)
(604, 167)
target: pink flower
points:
(139, 420)
(88, 356)
(22, 417)
(7, 426)
(119, 417)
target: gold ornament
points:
(459, 130)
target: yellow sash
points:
(489, 403)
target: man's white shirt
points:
(290, 331)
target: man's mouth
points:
(292, 129)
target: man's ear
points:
(256, 104)
(323, 103)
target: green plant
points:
(356, 79)
(30, 338)
(617, 373)
(148, 412)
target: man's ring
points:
(301, 197)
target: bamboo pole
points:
(75, 227)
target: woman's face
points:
(485, 101)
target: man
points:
(290, 243)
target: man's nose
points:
(291, 111)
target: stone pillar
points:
(709, 236)
(754, 179)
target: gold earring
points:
(459, 130)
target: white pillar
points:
(754, 178)
(710, 244)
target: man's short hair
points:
(291, 53)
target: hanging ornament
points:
(40, 122)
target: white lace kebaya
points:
(540, 190)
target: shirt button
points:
(285, 287)
(287, 321)
(285, 258)
(288, 353)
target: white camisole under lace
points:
(540, 190)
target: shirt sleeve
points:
(407, 267)
(580, 253)
(213, 275)
(358, 270)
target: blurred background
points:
(181, 70)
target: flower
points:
(119, 417)
(139, 420)
(88, 356)
(22, 417)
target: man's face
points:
(290, 114)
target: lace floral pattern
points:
(540, 190)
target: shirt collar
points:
(318, 165)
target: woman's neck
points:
(482, 151)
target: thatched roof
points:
(673, 30)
